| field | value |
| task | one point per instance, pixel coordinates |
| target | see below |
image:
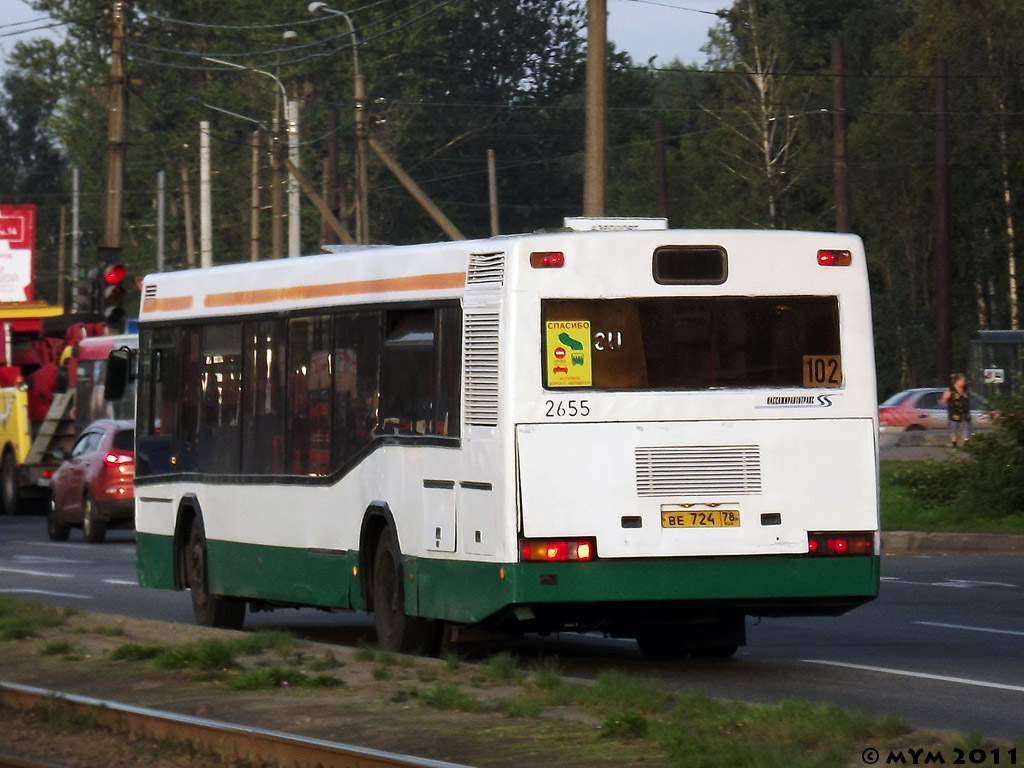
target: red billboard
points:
(17, 252)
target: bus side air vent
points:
(486, 269)
(690, 265)
(481, 384)
(150, 292)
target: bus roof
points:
(375, 274)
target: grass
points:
(618, 718)
(919, 496)
(20, 619)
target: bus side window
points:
(220, 398)
(309, 395)
(357, 339)
(263, 381)
(407, 374)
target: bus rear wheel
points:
(395, 630)
(210, 610)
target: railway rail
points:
(229, 740)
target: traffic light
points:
(109, 291)
(84, 295)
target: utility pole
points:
(294, 229)
(254, 188)
(943, 330)
(596, 100)
(161, 219)
(186, 202)
(492, 192)
(115, 132)
(205, 198)
(659, 155)
(840, 166)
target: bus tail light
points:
(556, 550)
(832, 258)
(839, 544)
(547, 259)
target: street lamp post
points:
(359, 86)
(292, 121)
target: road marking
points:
(45, 592)
(121, 582)
(950, 583)
(35, 573)
(973, 629)
(922, 675)
(40, 559)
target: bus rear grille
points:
(733, 470)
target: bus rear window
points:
(692, 343)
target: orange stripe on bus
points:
(327, 290)
(172, 304)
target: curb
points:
(918, 543)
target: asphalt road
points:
(942, 647)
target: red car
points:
(93, 487)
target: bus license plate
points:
(701, 518)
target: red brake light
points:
(835, 258)
(841, 544)
(556, 550)
(113, 459)
(547, 259)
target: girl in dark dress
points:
(958, 403)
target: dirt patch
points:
(441, 709)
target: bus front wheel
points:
(396, 631)
(210, 610)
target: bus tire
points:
(56, 530)
(210, 610)
(95, 530)
(9, 483)
(395, 630)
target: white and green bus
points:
(614, 427)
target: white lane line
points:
(972, 629)
(44, 592)
(922, 675)
(949, 583)
(121, 582)
(41, 559)
(35, 573)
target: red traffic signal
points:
(114, 273)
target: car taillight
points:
(838, 544)
(115, 459)
(556, 550)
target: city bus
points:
(612, 427)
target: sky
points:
(665, 29)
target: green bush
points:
(989, 483)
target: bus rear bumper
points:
(552, 596)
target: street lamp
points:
(359, 86)
(292, 123)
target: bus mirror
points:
(119, 373)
